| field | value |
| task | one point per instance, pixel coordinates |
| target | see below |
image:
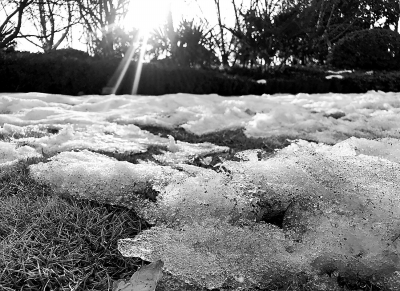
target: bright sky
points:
(147, 15)
(150, 14)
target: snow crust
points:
(327, 118)
(340, 203)
(338, 199)
(341, 213)
(10, 153)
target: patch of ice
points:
(211, 253)
(340, 209)
(94, 176)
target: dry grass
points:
(53, 243)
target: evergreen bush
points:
(371, 49)
(66, 72)
(68, 53)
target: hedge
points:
(25, 72)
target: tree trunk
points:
(398, 19)
(224, 55)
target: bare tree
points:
(397, 22)
(221, 42)
(164, 40)
(255, 32)
(100, 18)
(52, 21)
(11, 26)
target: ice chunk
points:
(93, 176)
(386, 148)
(180, 152)
(340, 212)
(212, 253)
(117, 138)
(183, 195)
(172, 147)
(145, 279)
(334, 77)
(195, 193)
(111, 138)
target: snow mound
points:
(94, 176)
(328, 118)
(111, 138)
(10, 153)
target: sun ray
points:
(145, 16)
(139, 65)
(116, 79)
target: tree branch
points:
(5, 22)
(20, 11)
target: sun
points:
(147, 15)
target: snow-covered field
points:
(374, 114)
(338, 199)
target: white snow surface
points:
(347, 185)
(306, 116)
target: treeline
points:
(67, 71)
(289, 43)
(266, 33)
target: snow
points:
(311, 117)
(9, 153)
(342, 210)
(333, 77)
(339, 72)
(339, 193)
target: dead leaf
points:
(145, 279)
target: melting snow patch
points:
(306, 116)
(10, 153)
(341, 212)
(310, 208)
(334, 77)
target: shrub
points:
(26, 72)
(56, 72)
(375, 49)
(68, 53)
